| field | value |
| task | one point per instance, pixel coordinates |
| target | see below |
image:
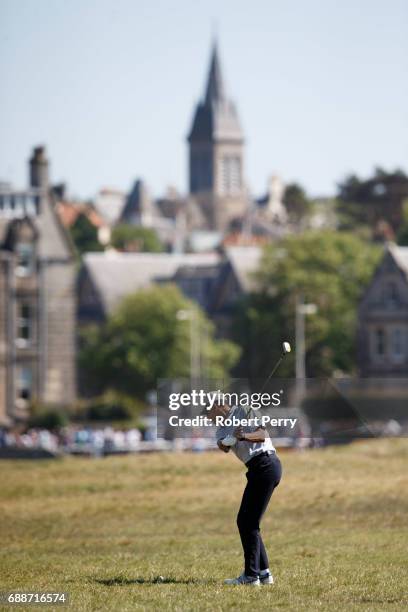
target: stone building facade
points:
(382, 339)
(37, 299)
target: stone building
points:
(217, 202)
(383, 318)
(215, 281)
(37, 299)
(106, 278)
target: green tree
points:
(144, 340)
(403, 231)
(297, 203)
(369, 201)
(135, 238)
(327, 268)
(85, 235)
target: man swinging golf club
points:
(253, 446)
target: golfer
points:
(254, 448)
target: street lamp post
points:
(191, 316)
(302, 310)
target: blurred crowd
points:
(96, 441)
(75, 440)
(91, 441)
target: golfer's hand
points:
(220, 445)
(239, 433)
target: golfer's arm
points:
(258, 435)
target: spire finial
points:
(214, 31)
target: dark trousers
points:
(264, 474)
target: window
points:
(24, 324)
(380, 342)
(230, 175)
(225, 181)
(235, 175)
(24, 383)
(398, 344)
(6, 205)
(25, 256)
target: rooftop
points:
(400, 255)
(118, 274)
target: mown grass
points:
(106, 529)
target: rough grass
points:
(105, 529)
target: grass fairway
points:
(104, 530)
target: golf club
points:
(286, 348)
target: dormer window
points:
(25, 259)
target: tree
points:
(85, 235)
(372, 200)
(297, 203)
(144, 340)
(135, 238)
(403, 231)
(327, 268)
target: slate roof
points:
(115, 275)
(400, 255)
(138, 203)
(244, 261)
(54, 242)
(68, 213)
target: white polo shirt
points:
(244, 450)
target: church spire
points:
(216, 155)
(215, 90)
(215, 116)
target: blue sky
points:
(109, 86)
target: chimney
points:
(39, 169)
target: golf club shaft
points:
(272, 373)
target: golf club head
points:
(286, 348)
